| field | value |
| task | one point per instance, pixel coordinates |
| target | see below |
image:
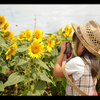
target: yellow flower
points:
(50, 43)
(28, 34)
(60, 29)
(51, 37)
(14, 39)
(38, 34)
(35, 50)
(2, 20)
(66, 34)
(11, 50)
(67, 27)
(57, 41)
(8, 34)
(70, 32)
(20, 36)
(49, 49)
(5, 27)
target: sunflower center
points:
(35, 49)
(0, 22)
(7, 34)
(28, 35)
(21, 36)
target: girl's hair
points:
(94, 65)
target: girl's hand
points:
(63, 47)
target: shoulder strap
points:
(68, 79)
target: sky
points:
(49, 17)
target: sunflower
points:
(8, 34)
(67, 27)
(20, 36)
(2, 20)
(61, 29)
(11, 50)
(66, 33)
(57, 40)
(28, 34)
(49, 49)
(5, 27)
(14, 39)
(35, 50)
(38, 34)
(70, 32)
(50, 43)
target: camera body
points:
(69, 52)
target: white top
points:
(75, 67)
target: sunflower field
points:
(28, 59)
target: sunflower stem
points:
(29, 66)
(38, 70)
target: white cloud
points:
(49, 18)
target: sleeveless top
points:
(86, 83)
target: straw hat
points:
(89, 35)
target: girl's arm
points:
(58, 69)
(62, 57)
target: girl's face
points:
(80, 48)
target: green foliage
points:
(40, 87)
(14, 78)
(1, 86)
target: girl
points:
(83, 69)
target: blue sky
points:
(49, 17)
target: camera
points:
(69, 52)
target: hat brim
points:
(90, 49)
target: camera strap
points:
(66, 49)
(68, 79)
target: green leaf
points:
(22, 48)
(37, 93)
(3, 65)
(42, 64)
(20, 61)
(64, 82)
(29, 93)
(43, 77)
(54, 52)
(34, 73)
(14, 78)
(1, 86)
(2, 42)
(4, 68)
(40, 87)
(52, 65)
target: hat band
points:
(80, 34)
